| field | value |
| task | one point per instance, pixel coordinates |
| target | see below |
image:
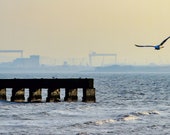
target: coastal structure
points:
(53, 86)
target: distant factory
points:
(20, 62)
(38, 63)
(32, 62)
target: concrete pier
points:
(53, 95)
(89, 95)
(18, 95)
(2, 93)
(53, 87)
(71, 94)
(34, 95)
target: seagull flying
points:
(157, 47)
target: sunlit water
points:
(127, 104)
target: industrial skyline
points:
(93, 59)
(90, 61)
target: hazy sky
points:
(73, 28)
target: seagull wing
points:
(164, 41)
(144, 45)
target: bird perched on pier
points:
(157, 47)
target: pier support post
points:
(89, 95)
(53, 95)
(35, 95)
(2, 93)
(70, 94)
(18, 95)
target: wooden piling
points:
(71, 94)
(53, 95)
(18, 95)
(89, 95)
(35, 95)
(2, 93)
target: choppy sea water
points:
(127, 104)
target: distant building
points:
(32, 61)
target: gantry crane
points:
(13, 51)
(94, 54)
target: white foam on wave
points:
(127, 117)
(136, 115)
(100, 122)
(149, 112)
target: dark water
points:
(127, 104)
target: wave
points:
(136, 115)
(146, 113)
(127, 117)
(99, 122)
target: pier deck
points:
(53, 86)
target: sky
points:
(62, 29)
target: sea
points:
(126, 104)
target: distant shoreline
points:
(74, 68)
(132, 68)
